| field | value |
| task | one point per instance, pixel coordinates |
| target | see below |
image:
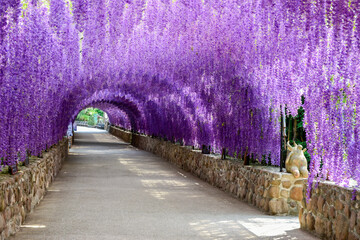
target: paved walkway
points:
(109, 190)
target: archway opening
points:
(92, 117)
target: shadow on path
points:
(109, 190)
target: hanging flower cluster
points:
(205, 72)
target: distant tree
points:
(87, 115)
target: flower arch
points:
(205, 71)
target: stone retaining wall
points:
(331, 213)
(21, 192)
(265, 187)
(118, 132)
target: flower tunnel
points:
(203, 72)
(119, 108)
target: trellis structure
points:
(206, 72)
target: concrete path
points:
(110, 190)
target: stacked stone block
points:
(20, 193)
(265, 187)
(331, 213)
(118, 132)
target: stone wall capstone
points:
(268, 189)
(21, 192)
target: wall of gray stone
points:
(120, 133)
(264, 187)
(331, 213)
(21, 192)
